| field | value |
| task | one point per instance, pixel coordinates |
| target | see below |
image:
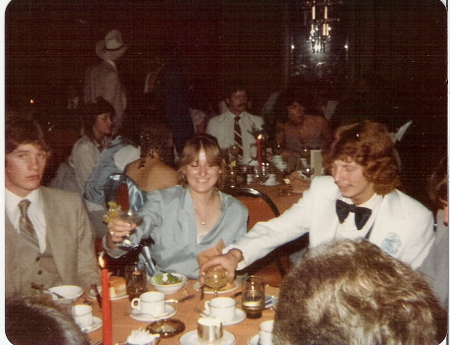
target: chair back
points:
(260, 206)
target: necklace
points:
(202, 221)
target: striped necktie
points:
(238, 136)
(25, 224)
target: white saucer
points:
(270, 185)
(122, 295)
(209, 291)
(239, 317)
(191, 338)
(136, 314)
(254, 340)
(96, 324)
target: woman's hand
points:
(228, 261)
(117, 229)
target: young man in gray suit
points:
(48, 236)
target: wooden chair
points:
(261, 208)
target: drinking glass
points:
(130, 217)
(277, 149)
(262, 173)
(216, 278)
(308, 171)
(136, 281)
(253, 296)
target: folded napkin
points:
(210, 252)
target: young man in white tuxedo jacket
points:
(50, 242)
(364, 173)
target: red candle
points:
(258, 145)
(106, 306)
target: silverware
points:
(40, 288)
(202, 292)
(181, 300)
(97, 294)
(237, 294)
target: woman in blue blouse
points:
(186, 219)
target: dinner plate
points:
(254, 340)
(122, 295)
(209, 291)
(96, 324)
(136, 314)
(191, 338)
(239, 317)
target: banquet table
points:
(123, 324)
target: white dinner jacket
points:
(403, 227)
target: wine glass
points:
(130, 217)
(216, 278)
(277, 149)
(262, 173)
(308, 171)
(234, 151)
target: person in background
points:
(298, 129)
(186, 219)
(359, 199)
(102, 79)
(354, 293)
(86, 151)
(224, 126)
(29, 322)
(48, 236)
(435, 265)
(153, 170)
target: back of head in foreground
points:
(353, 293)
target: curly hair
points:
(354, 293)
(368, 144)
(190, 153)
(156, 138)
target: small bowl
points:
(169, 288)
(166, 328)
(71, 292)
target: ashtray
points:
(166, 328)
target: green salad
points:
(166, 279)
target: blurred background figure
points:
(102, 79)
(435, 265)
(355, 293)
(30, 322)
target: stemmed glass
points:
(308, 171)
(234, 151)
(216, 278)
(130, 217)
(262, 173)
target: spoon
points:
(40, 288)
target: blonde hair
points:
(353, 293)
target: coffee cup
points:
(209, 330)
(150, 303)
(82, 314)
(265, 333)
(223, 308)
(277, 159)
(272, 180)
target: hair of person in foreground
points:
(30, 322)
(368, 144)
(353, 293)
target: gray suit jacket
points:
(69, 235)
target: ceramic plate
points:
(96, 324)
(209, 291)
(239, 317)
(254, 340)
(191, 338)
(136, 314)
(115, 298)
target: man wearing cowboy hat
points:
(103, 79)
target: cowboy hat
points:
(112, 47)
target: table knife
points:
(97, 294)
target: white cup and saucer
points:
(151, 306)
(264, 337)
(224, 308)
(209, 332)
(82, 315)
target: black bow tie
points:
(362, 214)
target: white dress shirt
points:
(35, 213)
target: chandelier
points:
(320, 24)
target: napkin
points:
(210, 252)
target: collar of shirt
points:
(35, 213)
(348, 228)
